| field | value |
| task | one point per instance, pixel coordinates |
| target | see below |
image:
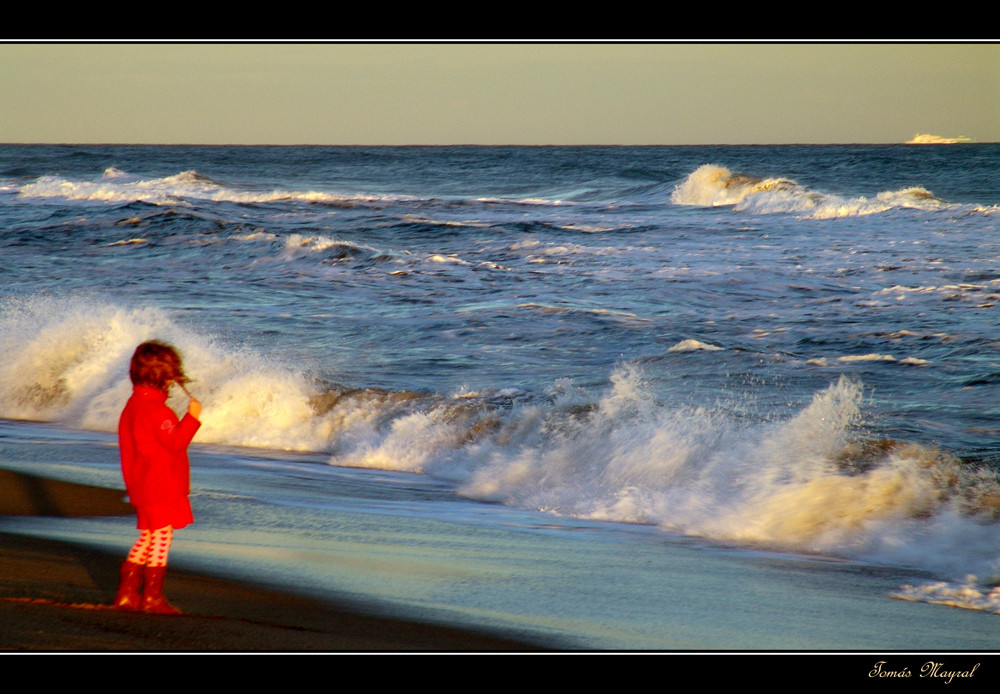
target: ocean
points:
(673, 398)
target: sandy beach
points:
(56, 597)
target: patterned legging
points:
(152, 547)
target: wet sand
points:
(56, 596)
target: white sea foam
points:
(710, 186)
(970, 594)
(186, 186)
(57, 358)
(866, 357)
(446, 259)
(692, 345)
(801, 484)
(794, 485)
(300, 243)
(67, 361)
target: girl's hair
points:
(156, 364)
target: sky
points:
(497, 93)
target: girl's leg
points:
(140, 550)
(153, 599)
(159, 546)
(131, 572)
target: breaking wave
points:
(184, 187)
(711, 186)
(814, 482)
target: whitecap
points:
(692, 345)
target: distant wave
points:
(712, 186)
(691, 345)
(330, 249)
(116, 185)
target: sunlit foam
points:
(710, 186)
(804, 483)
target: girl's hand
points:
(194, 408)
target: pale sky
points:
(523, 93)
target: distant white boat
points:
(937, 140)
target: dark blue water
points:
(788, 347)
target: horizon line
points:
(473, 144)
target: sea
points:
(676, 398)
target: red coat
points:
(153, 445)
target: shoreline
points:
(55, 596)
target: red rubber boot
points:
(152, 593)
(129, 581)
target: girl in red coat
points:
(153, 445)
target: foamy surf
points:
(802, 485)
(692, 345)
(797, 485)
(189, 187)
(67, 361)
(712, 186)
(969, 595)
(116, 186)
